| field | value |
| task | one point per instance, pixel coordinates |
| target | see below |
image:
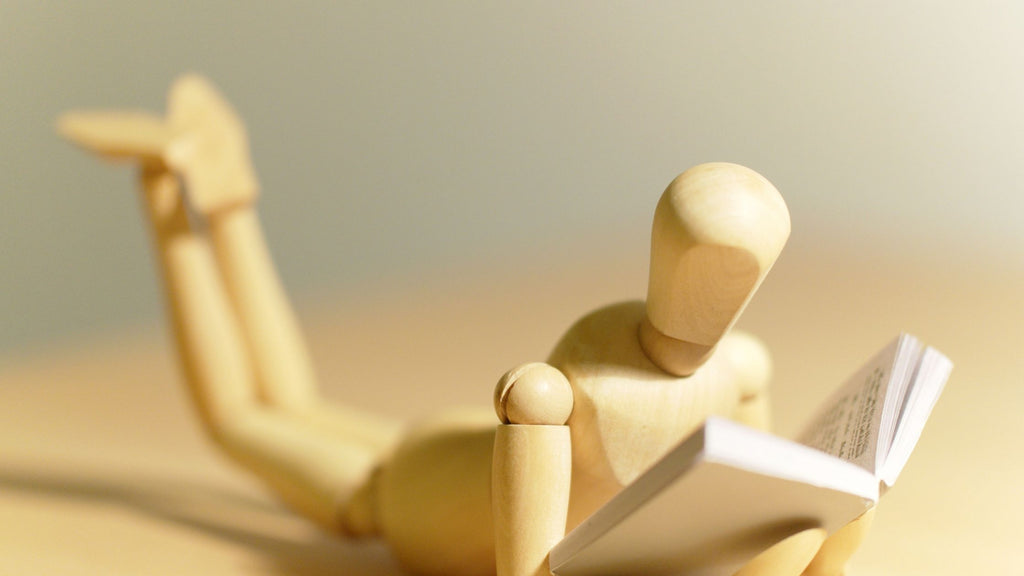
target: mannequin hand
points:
(837, 550)
(810, 553)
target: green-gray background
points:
(393, 138)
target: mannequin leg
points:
(280, 361)
(211, 154)
(311, 471)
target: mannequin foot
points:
(209, 150)
(118, 135)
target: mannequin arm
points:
(532, 468)
(836, 552)
(809, 553)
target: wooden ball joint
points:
(533, 394)
(456, 495)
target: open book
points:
(728, 492)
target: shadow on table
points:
(233, 517)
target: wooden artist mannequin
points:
(457, 495)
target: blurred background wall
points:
(396, 139)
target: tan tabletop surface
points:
(103, 471)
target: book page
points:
(908, 357)
(930, 378)
(721, 497)
(847, 426)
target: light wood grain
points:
(836, 552)
(118, 135)
(104, 470)
(620, 396)
(640, 376)
(787, 557)
(717, 231)
(247, 366)
(532, 468)
(210, 147)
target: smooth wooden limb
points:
(209, 345)
(120, 135)
(531, 496)
(238, 343)
(787, 558)
(210, 147)
(281, 362)
(835, 553)
(271, 331)
(316, 474)
(532, 468)
(202, 139)
(211, 152)
(717, 230)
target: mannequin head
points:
(718, 229)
